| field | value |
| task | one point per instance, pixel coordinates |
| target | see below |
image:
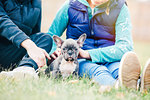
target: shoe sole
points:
(129, 70)
(20, 73)
(4, 74)
(145, 78)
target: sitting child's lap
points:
(90, 68)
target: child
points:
(107, 24)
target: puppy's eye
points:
(76, 49)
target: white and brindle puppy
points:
(66, 64)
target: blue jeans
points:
(104, 74)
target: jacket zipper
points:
(21, 12)
(91, 24)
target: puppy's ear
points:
(81, 40)
(58, 41)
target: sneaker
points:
(20, 73)
(129, 70)
(145, 77)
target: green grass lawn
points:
(143, 51)
(49, 89)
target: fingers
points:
(84, 54)
(41, 61)
(47, 55)
(42, 58)
(42, 64)
(53, 56)
(79, 56)
(56, 53)
(39, 56)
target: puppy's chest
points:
(67, 66)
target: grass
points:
(143, 51)
(50, 89)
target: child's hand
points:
(83, 54)
(56, 53)
(39, 55)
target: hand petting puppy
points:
(83, 54)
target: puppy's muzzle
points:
(70, 59)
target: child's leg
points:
(98, 73)
(114, 69)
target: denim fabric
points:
(10, 55)
(104, 74)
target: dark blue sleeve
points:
(10, 30)
(37, 27)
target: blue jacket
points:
(103, 53)
(18, 20)
(100, 29)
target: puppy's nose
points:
(70, 52)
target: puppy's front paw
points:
(47, 72)
(56, 74)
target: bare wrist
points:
(28, 44)
(88, 55)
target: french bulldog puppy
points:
(67, 63)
